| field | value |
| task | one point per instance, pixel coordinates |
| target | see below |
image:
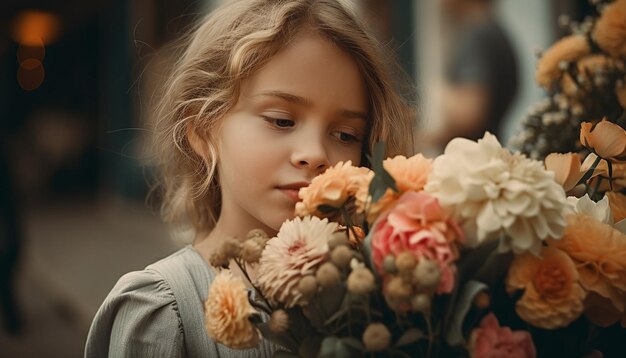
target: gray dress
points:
(158, 312)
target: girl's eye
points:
(280, 122)
(284, 123)
(345, 137)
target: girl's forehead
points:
(313, 71)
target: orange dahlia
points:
(599, 252)
(610, 30)
(552, 296)
(227, 312)
(410, 174)
(333, 188)
(569, 48)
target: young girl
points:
(266, 95)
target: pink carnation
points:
(490, 340)
(418, 224)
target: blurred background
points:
(74, 80)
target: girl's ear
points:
(197, 143)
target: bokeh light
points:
(32, 27)
(31, 74)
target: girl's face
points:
(304, 111)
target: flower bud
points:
(307, 286)
(405, 262)
(482, 300)
(256, 233)
(376, 337)
(389, 264)
(341, 256)
(361, 281)
(420, 303)
(339, 238)
(426, 275)
(328, 275)
(397, 289)
(279, 321)
(251, 251)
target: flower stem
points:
(245, 272)
(431, 337)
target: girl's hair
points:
(226, 47)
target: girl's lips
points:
(291, 193)
(291, 190)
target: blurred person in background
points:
(481, 73)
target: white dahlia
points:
(300, 246)
(496, 194)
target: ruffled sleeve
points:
(139, 318)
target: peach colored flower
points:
(618, 176)
(419, 225)
(599, 252)
(410, 174)
(566, 168)
(610, 29)
(333, 188)
(552, 296)
(299, 248)
(606, 139)
(490, 340)
(227, 311)
(568, 49)
(617, 201)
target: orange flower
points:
(569, 48)
(610, 29)
(332, 188)
(606, 139)
(618, 176)
(410, 174)
(566, 168)
(552, 295)
(599, 252)
(617, 201)
(227, 310)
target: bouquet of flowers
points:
(475, 253)
(585, 75)
(478, 252)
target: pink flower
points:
(418, 224)
(490, 340)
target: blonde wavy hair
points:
(203, 84)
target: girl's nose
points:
(310, 153)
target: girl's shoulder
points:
(181, 276)
(151, 311)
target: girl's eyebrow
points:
(305, 102)
(287, 97)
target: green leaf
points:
(326, 209)
(454, 334)
(310, 347)
(495, 267)
(409, 337)
(470, 262)
(333, 347)
(382, 179)
(353, 343)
